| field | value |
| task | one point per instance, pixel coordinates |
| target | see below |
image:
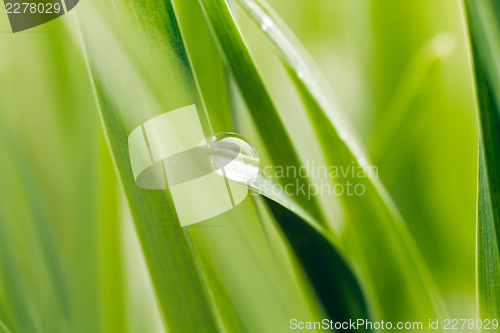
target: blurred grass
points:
(47, 195)
(61, 254)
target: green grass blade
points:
(484, 27)
(371, 217)
(211, 77)
(256, 96)
(332, 279)
(208, 67)
(487, 254)
(271, 130)
(210, 277)
(180, 292)
(334, 282)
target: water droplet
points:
(238, 157)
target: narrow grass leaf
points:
(178, 286)
(371, 219)
(208, 277)
(484, 28)
(256, 96)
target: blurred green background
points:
(70, 260)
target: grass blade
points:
(484, 28)
(334, 282)
(180, 292)
(260, 104)
(210, 277)
(371, 217)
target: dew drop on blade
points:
(238, 157)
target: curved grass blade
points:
(317, 250)
(484, 29)
(271, 128)
(333, 280)
(372, 220)
(211, 78)
(256, 96)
